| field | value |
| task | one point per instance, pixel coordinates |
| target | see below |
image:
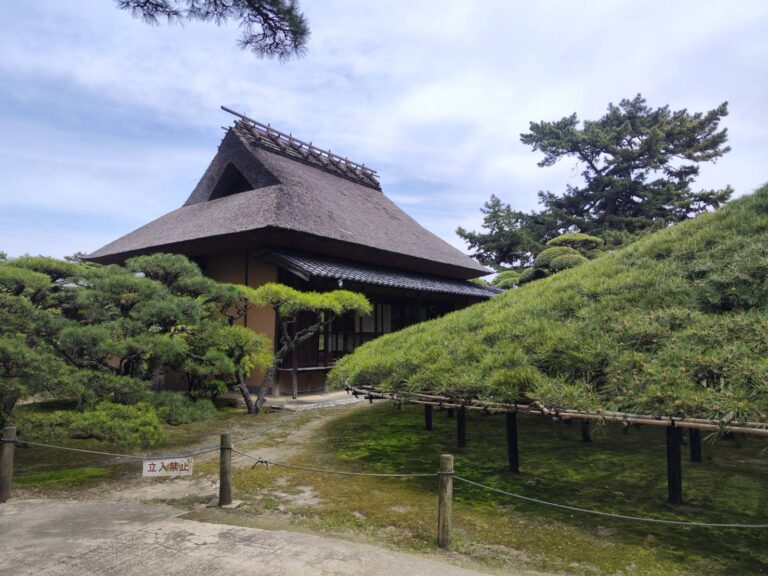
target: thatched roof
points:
(259, 191)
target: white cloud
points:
(434, 92)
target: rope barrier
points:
(213, 448)
(269, 463)
(610, 514)
(114, 454)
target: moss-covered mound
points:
(676, 323)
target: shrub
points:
(546, 256)
(566, 261)
(582, 242)
(132, 426)
(506, 279)
(531, 274)
(176, 408)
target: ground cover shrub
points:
(176, 408)
(566, 261)
(506, 279)
(584, 243)
(126, 426)
(545, 257)
(673, 324)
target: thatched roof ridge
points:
(294, 197)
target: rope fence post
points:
(225, 471)
(7, 448)
(445, 502)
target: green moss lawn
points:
(616, 472)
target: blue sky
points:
(107, 123)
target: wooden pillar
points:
(449, 413)
(445, 501)
(7, 449)
(512, 453)
(461, 426)
(427, 417)
(586, 432)
(295, 373)
(225, 471)
(694, 440)
(674, 465)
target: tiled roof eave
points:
(306, 266)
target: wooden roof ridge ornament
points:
(265, 136)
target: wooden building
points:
(272, 208)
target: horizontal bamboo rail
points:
(535, 408)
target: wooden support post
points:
(586, 432)
(461, 426)
(427, 417)
(7, 448)
(512, 453)
(225, 471)
(674, 465)
(694, 439)
(445, 502)
(449, 413)
(295, 374)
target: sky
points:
(107, 123)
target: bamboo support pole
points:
(586, 432)
(674, 465)
(7, 449)
(461, 427)
(225, 471)
(694, 440)
(445, 502)
(444, 402)
(513, 455)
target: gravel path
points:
(56, 538)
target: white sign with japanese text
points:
(167, 467)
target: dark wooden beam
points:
(674, 465)
(449, 413)
(427, 417)
(512, 453)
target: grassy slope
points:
(673, 324)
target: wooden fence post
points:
(427, 417)
(7, 448)
(512, 453)
(225, 471)
(445, 502)
(461, 426)
(449, 413)
(674, 465)
(694, 439)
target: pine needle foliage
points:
(674, 324)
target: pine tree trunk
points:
(249, 404)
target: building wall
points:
(242, 268)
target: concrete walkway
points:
(93, 538)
